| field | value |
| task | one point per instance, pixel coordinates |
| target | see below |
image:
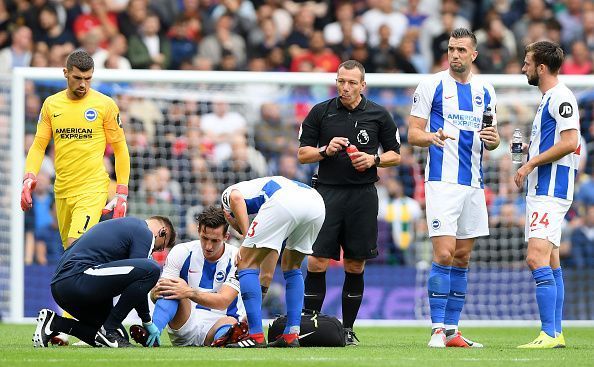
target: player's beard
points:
(533, 79)
(458, 68)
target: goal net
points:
(191, 134)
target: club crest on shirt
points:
(478, 100)
(91, 115)
(436, 224)
(220, 276)
(363, 137)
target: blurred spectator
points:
(45, 223)
(220, 126)
(184, 36)
(579, 61)
(406, 58)
(507, 235)
(585, 191)
(345, 14)
(20, 51)
(243, 164)
(409, 173)
(439, 43)
(289, 167)
(570, 19)
(224, 38)
(5, 24)
(321, 58)
(536, 11)
(383, 55)
(433, 27)
(208, 194)
(113, 57)
(508, 193)
(264, 38)
(415, 16)
(52, 32)
(404, 215)
(150, 49)
(506, 131)
(298, 40)
(153, 199)
(383, 13)
(588, 18)
(496, 47)
(272, 135)
(242, 13)
(553, 33)
(131, 20)
(582, 241)
(96, 16)
(141, 153)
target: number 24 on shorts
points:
(539, 218)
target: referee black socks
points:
(352, 295)
(315, 291)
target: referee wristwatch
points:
(376, 160)
(322, 152)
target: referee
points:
(347, 185)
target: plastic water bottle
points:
(487, 118)
(517, 147)
(351, 148)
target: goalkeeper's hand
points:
(154, 335)
(119, 204)
(29, 183)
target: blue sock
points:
(294, 300)
(165, 310)
(438, 287)
(558, 274)
(546, 296)
(251, 294)
(457, 295)
(221, 331)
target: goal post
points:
(246, 92)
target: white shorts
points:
(295, 215)
(194, 331)
(544, 218)
(455, 210)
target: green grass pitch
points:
(380, 346)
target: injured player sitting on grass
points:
(197, 298)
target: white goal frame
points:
(21, 75)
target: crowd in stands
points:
(184, 152)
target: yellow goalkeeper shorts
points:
(76, 214)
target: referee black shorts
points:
(89, 296)
(351, 222)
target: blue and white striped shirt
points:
(186, 261)
(558, 111)
(457, 109)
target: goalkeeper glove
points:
(29, 183)
(154, 334)
(119, 203)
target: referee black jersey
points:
(367, 126)
(111, 240)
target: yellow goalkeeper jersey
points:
(81, 129)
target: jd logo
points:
(565, 110)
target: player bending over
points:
(283, 209)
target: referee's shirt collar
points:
(361, 106)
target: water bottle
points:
(487, 118)
(517, 147)
(351, 148)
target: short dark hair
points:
(351, 64)
(547, 53)
(464, 33)
(80, 59)
(212, 217)
(166, 222)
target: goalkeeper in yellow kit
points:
(82, 121)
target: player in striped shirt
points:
(551, 167)
(446, 116)
(197, 297)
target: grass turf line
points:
(406, 346)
